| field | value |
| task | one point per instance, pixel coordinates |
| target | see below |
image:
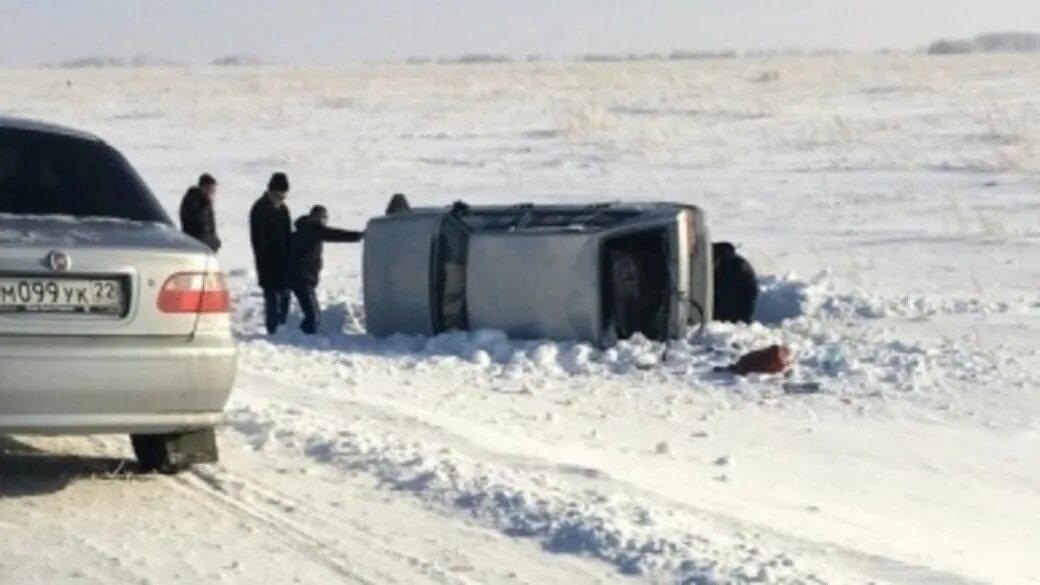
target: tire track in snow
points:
(618, 532)
(201, 487)
(275, 510)
(747, 539)
(82, 463)
(111, 562)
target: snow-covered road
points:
(663, 469)
(348, 459)
(267, 516)
(902, 189)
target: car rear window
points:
(50, 174)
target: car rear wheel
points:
(173, 453)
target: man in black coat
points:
(197, 219)
(736, 286)
(305, 261)
(270, 231)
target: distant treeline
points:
(143, 60)
(100, 62)
(678, 55)
(673, 56)
(245, 60)
(1001, 42)
(1006, 42)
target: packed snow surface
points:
(889, 204)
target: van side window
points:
(450, 276)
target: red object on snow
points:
(774, 359)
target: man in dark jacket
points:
(270, 231)
(196, 212)
(305, 261)
(736, 286)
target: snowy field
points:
(892, 205)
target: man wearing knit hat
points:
(270, 233)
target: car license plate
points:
(61, 295)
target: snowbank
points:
(563, 520)
(788, 297)
(833, 348)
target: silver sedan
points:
(111, 321)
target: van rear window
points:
(50, 174)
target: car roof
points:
(15, 123)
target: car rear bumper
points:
(52, 385)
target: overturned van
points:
(595, 272)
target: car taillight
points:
(195, 292)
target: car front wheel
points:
(173, 453)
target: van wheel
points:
(173, 453)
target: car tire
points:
(174, 453)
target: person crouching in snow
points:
(736, 286)
(305, 261)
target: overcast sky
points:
(301, 31)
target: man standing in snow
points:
(305, 261)
(270, 232)
(197, 219)
(736, 286)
